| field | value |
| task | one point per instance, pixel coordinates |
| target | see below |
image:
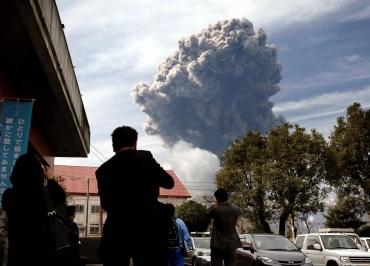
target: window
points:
(80, 208)
(94, 228)
(95, 209)
(311, 240)
(299, 241)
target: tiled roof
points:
(74, 179)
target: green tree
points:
(277, 175)
(350, 140)
(346, 213)
(298, 165)
(241, 175)
(194, 215)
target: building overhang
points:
(34, 56)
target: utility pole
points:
(87, 206)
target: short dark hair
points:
(171, 209)
(70, 210)
(124, 136)
(221, 195)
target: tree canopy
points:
(194, 216)
(350, 140)
(346, 213)
(278, 174)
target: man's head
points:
(221, 195)
(123, 137)
(71, 211)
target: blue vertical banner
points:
(15, 128)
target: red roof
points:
(75, 179)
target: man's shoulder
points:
(144, 154)
(105, 166)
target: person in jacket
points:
(24, 203)
(224, 237)
(128, 187)
(176, 256)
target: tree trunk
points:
(283, 219)
(265, 225)
(261, 212)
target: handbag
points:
(59, 231)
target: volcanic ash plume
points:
(214, 88)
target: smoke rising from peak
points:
(214, 87)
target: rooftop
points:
(75, 179)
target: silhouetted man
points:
(224, 237)
(128, 185)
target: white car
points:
(332, 249)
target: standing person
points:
(128, 186)
(74, 235)
(25, 206)
(224, 237)
(176, 256)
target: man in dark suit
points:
(224, 238)
(128, 186)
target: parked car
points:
(202, 252)
(269, 249)
(332, 249)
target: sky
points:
(122, 50)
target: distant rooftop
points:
(74, 179)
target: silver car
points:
(202, 252)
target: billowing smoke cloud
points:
(195, 167)
(214, 88)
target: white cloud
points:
(321, 111)
(324, 101)
(195, 167)
(360, 15)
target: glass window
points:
(80, 208)
(273, 243)
(338, 242)
(299, 241)
(311, 240)
(94, 228)
(95, 209)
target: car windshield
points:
(202, 243)
(368, 242)
(338, 242)
(273, 243)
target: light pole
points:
(87, 206)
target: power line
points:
(97, 156)
(96, 149)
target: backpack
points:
(173, 236)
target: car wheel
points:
(332, 263)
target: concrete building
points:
(35, 64)
(81, 186)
